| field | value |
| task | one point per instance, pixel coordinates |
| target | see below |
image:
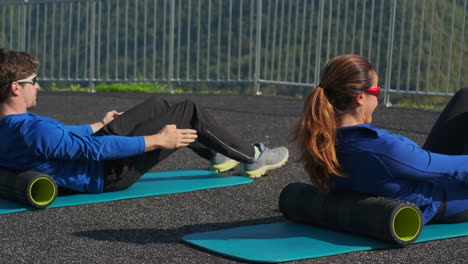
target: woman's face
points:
(370, 101)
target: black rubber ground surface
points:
(148, 230)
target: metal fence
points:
(417, 46)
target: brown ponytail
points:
(342, 79)
(315, 136)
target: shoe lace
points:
(266, 140)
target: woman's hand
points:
(170, 137)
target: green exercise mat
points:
(289, 241)
(153, 183)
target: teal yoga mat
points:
(153, 183)
(288, 241)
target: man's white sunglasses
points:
(31, 80)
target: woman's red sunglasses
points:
(373, 90)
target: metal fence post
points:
(462, 35)
(389, 55)
(318, 50)
(92, 47)
(258, 48)
(171, 48)
(23, 26)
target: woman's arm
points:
(405, 159)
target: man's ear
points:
(14, 88)
(360, 99)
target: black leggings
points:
(450, 136)
(149, 118)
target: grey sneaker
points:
(266, 159)
(221, 163)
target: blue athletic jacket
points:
(379, 163)
(69, 154)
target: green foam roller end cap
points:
(42, 191)
(407, 224)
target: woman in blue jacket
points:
(341, 150)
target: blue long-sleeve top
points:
(379, 163)
(69, 154)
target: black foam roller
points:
(28, 187)
(394, 221)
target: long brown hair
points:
(342, 79)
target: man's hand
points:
(170, 137)
(110, 116)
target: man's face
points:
(29, 91)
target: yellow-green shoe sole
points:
(254, 174)
(260, 172)
(223, 167)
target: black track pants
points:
(450, 132)
(450, 136)
(149, 118)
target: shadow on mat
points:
(166, 236)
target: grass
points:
(143, 87)
(147, 87)
(427, 102)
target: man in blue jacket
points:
(114, 153)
